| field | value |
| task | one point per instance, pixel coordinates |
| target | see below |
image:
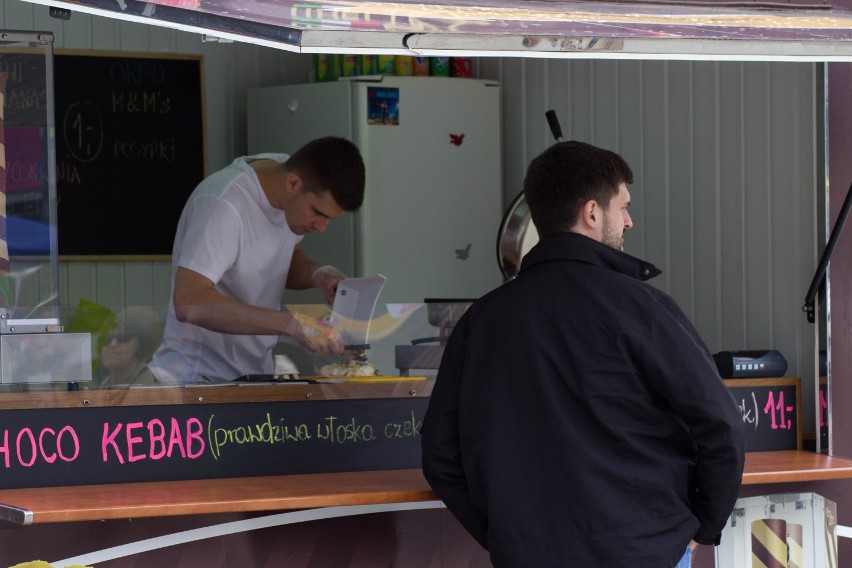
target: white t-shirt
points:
(229, 233)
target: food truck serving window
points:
(29, 278)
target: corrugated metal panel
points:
(724, 198)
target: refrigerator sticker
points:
(383, 106)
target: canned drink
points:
(404, 65)
(350, 66)
(421, 66)
(439, 66)
(324, 67)
(461, 67)
(387, 65)
(369, 65)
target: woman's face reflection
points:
(119, 351)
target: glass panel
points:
(405, 341)
(74, 414)
(28, 257)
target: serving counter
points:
(79, 462)
(356, 449)
(294, 492)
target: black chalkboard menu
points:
(130, 149)
(771, 409)
(124, 444)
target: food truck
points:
(217, 467)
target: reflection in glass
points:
(28, 257)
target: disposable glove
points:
(326, 278)
(314, 335)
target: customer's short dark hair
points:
(566, 176)
(331, 164)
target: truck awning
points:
(790, 31)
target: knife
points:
(353, 307)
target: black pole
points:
(555, 129)
(819, 276)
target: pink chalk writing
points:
(777, 411)
(153, 440)
(49, 445)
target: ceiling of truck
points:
(806, 30)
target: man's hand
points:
(326, 278)
(314, 335)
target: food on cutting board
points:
(354, 364)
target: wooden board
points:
(373, 379)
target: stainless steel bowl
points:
(516, 237)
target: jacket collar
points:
(574, 246)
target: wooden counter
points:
(789, 466)
(224, 393)
(282, 491)
(253, 494)
(290, 492)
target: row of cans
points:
(330, 67)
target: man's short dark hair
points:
(331, 164)
(566, 176)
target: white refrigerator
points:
(433, 200)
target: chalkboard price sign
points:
(771, 412)
(129, 150)
(73, 446)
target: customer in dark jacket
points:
(577, 418)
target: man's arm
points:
(197, 302)
(301, 269)
(306, 273)
(683, 371)
(441, 450)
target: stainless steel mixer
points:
(426, 352)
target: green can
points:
(439, 66)
(325, 67)
(387, 64)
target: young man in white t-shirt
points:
(237, 249)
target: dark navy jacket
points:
(579, 420)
